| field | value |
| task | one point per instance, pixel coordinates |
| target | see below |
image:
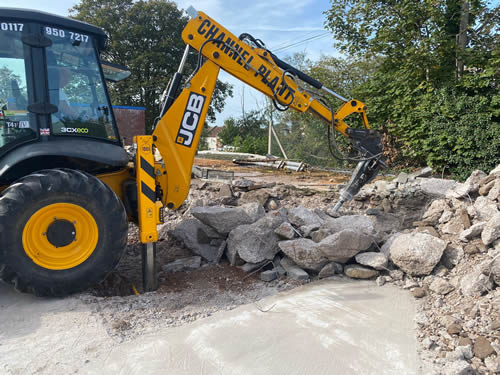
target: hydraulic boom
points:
(166, 182)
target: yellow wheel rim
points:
(44, 253)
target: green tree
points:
(247, 133)
(434, 92)
(146, 37)
(6, 78)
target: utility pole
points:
(270, 132)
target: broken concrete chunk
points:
(286, 231)
(293, 271)
(260, 196)
(269, 275)
(492, 363)
(424, 172)
(305, 253)
(441, 286)
(454, 226)
(249, 267)
(460, 367)
(494, 269)
(272, 205)
(256, 242)
(306, 230)
(360, 223)
(434, 212)
(475, 283)
(485, 208)
(222, 219)
(233, 256)
(483, 348)
(243, 183)
(415, 253)
(184, 264)
(494, 193)
(446, 216)
(429, 230)
(356, 271)
(363, 224)
(342, 246)
(491, 230)
(436, 186)
(485, 189)
(373, 260)
(452, 255)
(471, 185)
(300, 216)
(474, 231)
(225, 191)
(254, 210)
(402, 178)
(330, 269)
(197, 236)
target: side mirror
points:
(114, 72)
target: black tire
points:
(31, 193)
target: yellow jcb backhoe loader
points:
(67, 188)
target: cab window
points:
(76, 86)
(15, 125)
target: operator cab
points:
(52, 90)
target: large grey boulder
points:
(256, 242)
(491, 230)
(222, 219)
(198, 237)
(373, 260)
(300, 216)
(343, 245)
(416, 253)
(305, 253)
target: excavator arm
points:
(166, 180)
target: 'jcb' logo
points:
(190, 120)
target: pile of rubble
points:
(437, 238)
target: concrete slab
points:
(328, 327)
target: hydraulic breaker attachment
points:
(365, 172)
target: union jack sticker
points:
(44, 131)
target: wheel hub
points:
(60, 236)
(61, 233)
